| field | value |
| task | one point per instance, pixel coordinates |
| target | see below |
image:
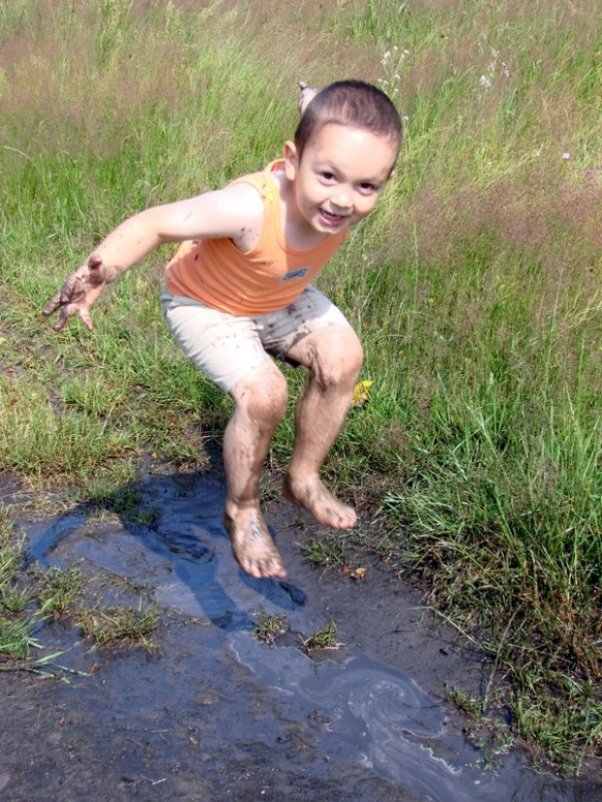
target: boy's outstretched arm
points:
(124, 247)
(223, 213)
(306, 95)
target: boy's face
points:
(340, 175)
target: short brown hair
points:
(353, 103)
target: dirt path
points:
(215, 714)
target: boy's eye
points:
(326, 175)
(366, 187)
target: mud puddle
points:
(215, 714)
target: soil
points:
(214, 713)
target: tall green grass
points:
(475, 286)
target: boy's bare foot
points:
(252, 544)
(317, 499)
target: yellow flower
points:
(361, 393)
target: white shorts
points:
(226, 347)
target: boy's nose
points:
(342, 200)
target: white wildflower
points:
(391, 63)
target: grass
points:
(270, 627)
(323, 638)
(110, 626)
(475, 288)
(325, 552)
(59, 590)
(30, 597)
(16, 640)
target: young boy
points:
(239, 290)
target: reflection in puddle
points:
(397, 730)
(357, 708)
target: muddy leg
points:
(260, 400)
(334, 358)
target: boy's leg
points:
(227, 349)
(260, 399)
(333, 355)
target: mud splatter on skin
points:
(301, 333)
(326, 508)
(252, 545)
(246, 442)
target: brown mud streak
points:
(253, 547)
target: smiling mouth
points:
(333, 219)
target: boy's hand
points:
(306, 95)
(79, 292)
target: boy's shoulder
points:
(243, 198)
(246, 198)
(265, 181)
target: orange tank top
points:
(267, 278)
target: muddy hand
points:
(78, 293)
(306, 95)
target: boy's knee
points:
(263, 396)
(355, 353)
(341, 360)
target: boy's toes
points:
(253, 546)
(270, 568)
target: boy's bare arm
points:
(306, 95)
(223, 213)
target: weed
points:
(269, 628)
(325, 552)
(16, 640)
(14, 599)
(110, 626)
(467, 703)
(392, 64)
(59, 590)
(323, 638)
(148, 516)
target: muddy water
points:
(216, 714)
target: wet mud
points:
(216, 714)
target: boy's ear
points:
(291, 160)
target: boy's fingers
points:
(60, 322)
(76, 294)
(69, 289)
(50, 308)
(85, 316)
(68, 311)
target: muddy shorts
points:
(226, 347)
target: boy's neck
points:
(298, 233)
